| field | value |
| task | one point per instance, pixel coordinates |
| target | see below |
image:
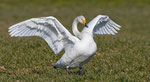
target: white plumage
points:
(79, 49)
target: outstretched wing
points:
(49, 28)
(102, 24)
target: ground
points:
(123, 57)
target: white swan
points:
(79, 49)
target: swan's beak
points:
(84, 22)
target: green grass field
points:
(124, 57)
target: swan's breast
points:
(87, 44)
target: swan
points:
(79, 48)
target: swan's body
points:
(79, 54)
(79, 49)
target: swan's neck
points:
(74, 27)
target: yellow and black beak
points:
(84, 22)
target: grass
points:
(123, 57)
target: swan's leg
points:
(80, 71)
(67, 70)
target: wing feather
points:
(106, 31)
(48, 28)
(100, 31)
(109, 30)
(102, 24)
(103, 31)
(114, 23)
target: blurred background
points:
(123, 57)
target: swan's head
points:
(82, 20)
